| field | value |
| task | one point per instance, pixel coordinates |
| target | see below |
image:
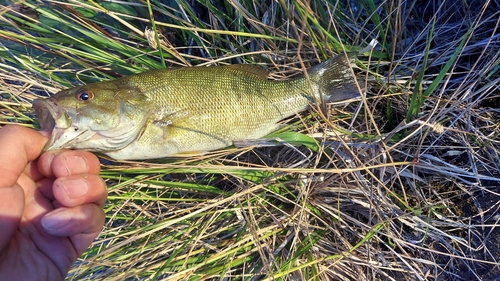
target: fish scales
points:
(229, 102)
(166, 112)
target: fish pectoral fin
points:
(150, 133)
(165, 120)
(168, 123)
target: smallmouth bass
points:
(165, 112)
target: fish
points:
(186, 110)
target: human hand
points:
(50, 207)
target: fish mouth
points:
(46, 112)
(52, 120)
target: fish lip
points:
(45, 114)
(52, 120)
(49, 115)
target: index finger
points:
(18, 146)
(63, 163)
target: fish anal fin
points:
(189, 154)
(262, 142)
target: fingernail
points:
(75, 188)
(75, 161)
(45, 133)
(56, 220)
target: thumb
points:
(18, 147)
(11, 211)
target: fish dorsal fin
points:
(249, 69)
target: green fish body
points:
(166, 112)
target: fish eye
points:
(84, 95)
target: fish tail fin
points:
(335, 78)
